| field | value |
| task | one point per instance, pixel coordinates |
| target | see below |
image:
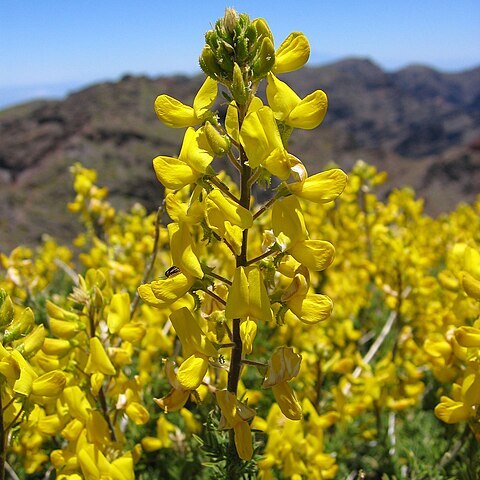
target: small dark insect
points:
(221, 359)
(173, 270)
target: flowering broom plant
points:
(264, 255)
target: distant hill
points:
(420, 125)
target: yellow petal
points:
(317, 255)
(321, 188)
(471, 286)
(50, 384)
(230, 211)
(174, 401)
(205, 97)
(146, 294)
(311, 309)
(292, 54)
(287, 401)
(192, 371)
(248, 331)
(309, 112)
(288, 219)
(248, 297)
(243, 440)
(119, 312)
(468, 336)
(282, 367)
(181, 250)
(191, 336)
(449, 411)
(174, 113)
(138, 413)
(281, 98)
(174, 173)
(170, 289)
(259, 136)
(195, 150)
(98, 360)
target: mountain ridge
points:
(420, 125)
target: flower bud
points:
(20, 327)
(265, 59)
(209, 64)
(239, 90)
(6, 309)
(220, 144)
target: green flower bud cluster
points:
(238, 53)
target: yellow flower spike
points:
(468, 336)
(248, 331)
(322, 187)
(119, 312)
(263, 145)
(137, 413)
(248, 297)
(292, 54)
(287, 401)
(217, 205)
(175, 114)
(287, 218)
(50, 384)
(282, 366)
(314, 254)
(168, 290)
(98, 360)
(290, 109)
(450, 411)
(181, 250)
(191, 336)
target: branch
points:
(220, 185)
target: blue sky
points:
(49, 47)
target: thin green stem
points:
(219, 277)
(265, 207)
(261, 257)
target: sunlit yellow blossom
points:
(174, 113)
(292, 54)
(290, 109)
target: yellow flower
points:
(236, 415)
(50, 384)
(119, 312)
(163, 292)
(282, 367)
(175, 114)
(262, 142)
(292, 54)
(290, 109)
(322, 187)
(248, 297)
(181, 249)
(194, 158)
(98, 360)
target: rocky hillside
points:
(420, 125)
